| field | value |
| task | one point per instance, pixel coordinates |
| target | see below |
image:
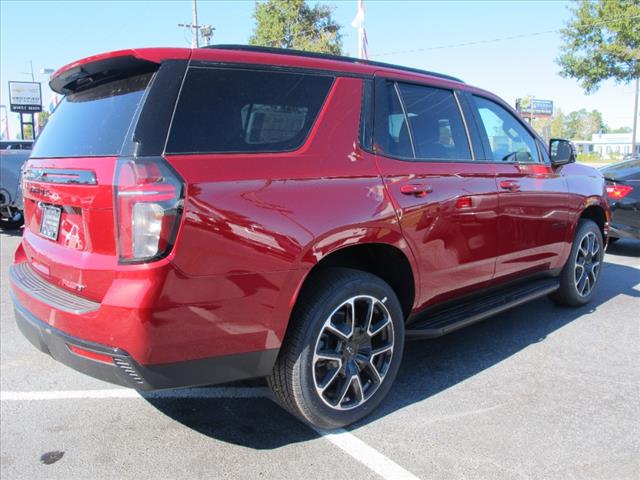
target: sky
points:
(421, 34)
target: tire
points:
(580, 275)
(327, 373)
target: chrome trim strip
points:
(137, 193)
(60, 175)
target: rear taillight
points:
(617, 192)
(148, 202)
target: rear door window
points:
(236, 110)
(436, 123)
(93, 122)
(398, 136)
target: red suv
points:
(202, 216)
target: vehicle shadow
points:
(11, 232)
(428, 368)
(625, 247)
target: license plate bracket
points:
(50, 224)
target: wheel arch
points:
(597, 214)
(386, 261)
(380, 251)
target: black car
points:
(623, 191)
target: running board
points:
(460, 315)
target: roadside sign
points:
(25, 97)
(534, 106)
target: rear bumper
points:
(57, 344)
(115, 365)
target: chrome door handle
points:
(416, 190)
(510, 185)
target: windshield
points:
(93, 122)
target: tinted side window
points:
(436, 123)
(227, 110)
(394, 138)
(508, 139)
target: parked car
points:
(16, 144)
(11, 161)
(623, 191)
(201, 216)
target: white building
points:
(606, 144)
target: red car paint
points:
(254, 226)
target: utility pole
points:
(195, 34)
(195, 42)
(196, 30)
(635, 122)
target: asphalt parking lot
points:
(538, 392)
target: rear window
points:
(93, 122)
(227, 110)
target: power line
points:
(467, 44)
(499, 39)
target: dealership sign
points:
(534, 106)
(25, 97)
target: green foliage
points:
(620, 130)
(578, 125)
(43, 118)
(294, 24)
(27, 133)
(602, 41)
(616, 157)
(581, 125)
(592, 157)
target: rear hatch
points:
(84, 177)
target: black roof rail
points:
(328, 56)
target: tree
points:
(602, 41)
(620, 130)
(551, 127)
(43, 118)
(27, 133)
(558, 129)
(294, 24)
(581, 125)
(578, 125)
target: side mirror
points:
(561, 151)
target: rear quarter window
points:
(235, 110)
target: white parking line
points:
(221, 392)
(368, 456)
(346, 441)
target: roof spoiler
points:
(89, 72)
